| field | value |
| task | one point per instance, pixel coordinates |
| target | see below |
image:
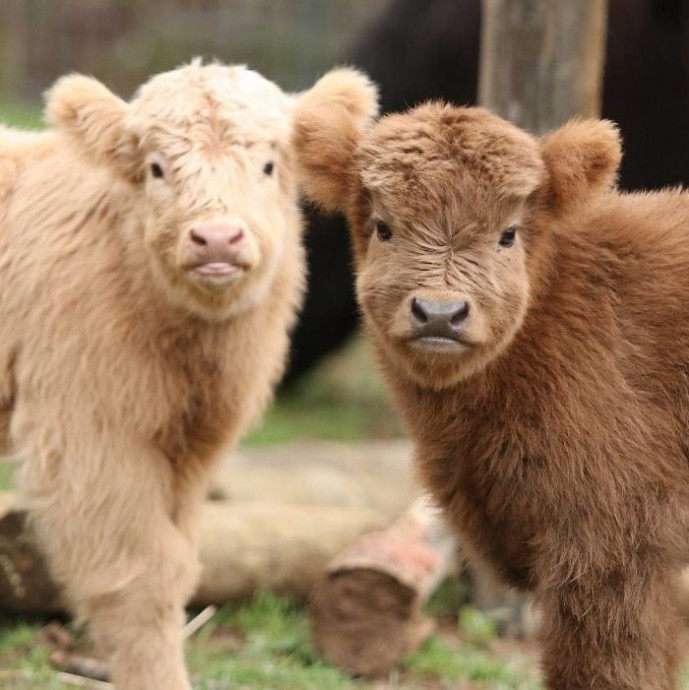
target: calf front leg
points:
(140, 626)
(612, 631)
(126, 567)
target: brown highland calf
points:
(150, 269)
(533, 324)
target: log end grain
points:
(365, 621)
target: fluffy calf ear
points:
(329, 121)
(582, 159)
(94, 118)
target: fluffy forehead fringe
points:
(436, 147)
(233, 95)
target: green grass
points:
(7, 471)
(17, 114)
(266, 644)
(274, 650)
(24, 662)
(344, 399)
(437, 659)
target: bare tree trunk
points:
(542, 60)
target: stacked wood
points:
(367, 610)
(245, 547)
(25, 584)
(377, 475)
(292, 509)
(280, 547)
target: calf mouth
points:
(439, 344)
(217, 272)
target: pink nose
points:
(218, 239)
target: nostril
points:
(440, 319)
(460, 314)
(237, 237)
(197, 238)
(418, 312)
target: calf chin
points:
(217, 299)
(435, 364)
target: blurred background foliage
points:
(122, 42)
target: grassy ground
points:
(343, 400)
(16, 114)
(265, 644)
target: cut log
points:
(25, 584)
(280, 547)
(293, 508)
(367, 610)
(245, 546)
(377, 475)
(7, 501)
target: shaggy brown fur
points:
(150, 268)
(551, 423)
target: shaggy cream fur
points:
(124, 365)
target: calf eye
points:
(156, 170)
(383, 231)
(508, 236)
(268, 168)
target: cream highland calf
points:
(150, 269)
